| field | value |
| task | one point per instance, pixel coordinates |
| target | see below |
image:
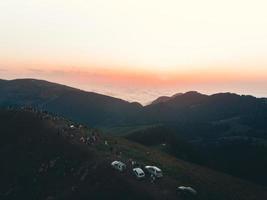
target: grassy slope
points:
(39, 163)
(209, 183)
(83, 172)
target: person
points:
(82, 139)
(91, 140)
(129, 161)
(88, 140)
(152, 178)
(94, 138)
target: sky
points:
(137, 49)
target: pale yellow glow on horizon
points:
(145, 41)
(156, 34)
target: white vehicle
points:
(72, 126)
(187, 190)
(139, 173)
(155, 171)
(118, 165)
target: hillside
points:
(241, 156)
(163, 99)
(225, 131)
(43, 158)
(193, 106)
(87, 107)
(104, 111)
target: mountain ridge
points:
(67, 101)
(208, 124)
(159, 99)
(104, 111)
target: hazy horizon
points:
(150, 94)
(137, 50)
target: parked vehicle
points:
(155, 171)
(118, 165)
(139, 173)
(186, 191)
(72, 126)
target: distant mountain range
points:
(224, 131)
(101, 110)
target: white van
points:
(186, 191)
(118, 165)
(155, 171)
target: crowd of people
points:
(91, 139)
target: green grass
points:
(126, 130)
(209, 183)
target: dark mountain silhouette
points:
(87, 107)
(163, 99)
(194, 106)
(104, 111)
(42, 157)
(225, 131)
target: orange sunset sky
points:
(137, 49)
